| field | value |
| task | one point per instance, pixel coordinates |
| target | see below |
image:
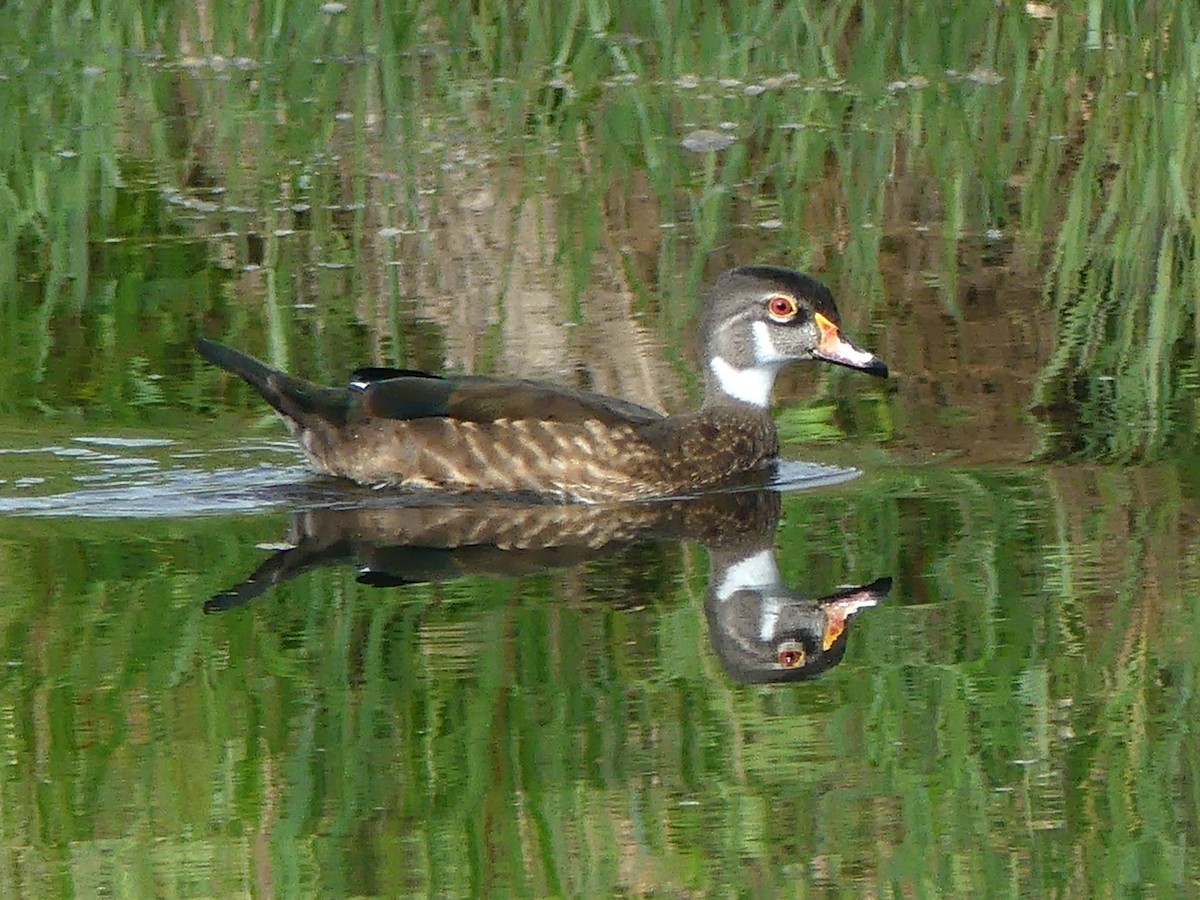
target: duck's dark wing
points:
(481, 399)
(385, 393)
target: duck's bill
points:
(843, 606)
(834, 348)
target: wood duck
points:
(469, 433)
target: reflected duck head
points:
(764, 633)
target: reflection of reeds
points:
(1025, 703)
(473, 166)
(498, 157)
(1125, 275)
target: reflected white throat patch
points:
(751, 573)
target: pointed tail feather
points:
(295, 398)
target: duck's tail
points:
(296, 399)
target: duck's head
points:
(760, 318)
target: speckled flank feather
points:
(588, 461)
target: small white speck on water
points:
(705, 140)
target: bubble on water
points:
(706, 140)
(984, 75)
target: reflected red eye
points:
(790, 657)
(781, 307)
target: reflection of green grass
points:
(810, 424)
(1088, 153)
(1026, 690)
(823, 421)
(1015, 720)
(950, 416)
(1125, 268)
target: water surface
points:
(227, 676)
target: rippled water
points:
(920, 663)
(133, 478)
(407, 669)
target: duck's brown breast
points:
(714, 444)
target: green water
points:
(1003, 199)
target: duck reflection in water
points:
(761, 630)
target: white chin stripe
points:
(764, 348)
(768, 618)
(757, 571)
(752, 385)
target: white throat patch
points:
(752, 384)
(757, 571)
(764, 348)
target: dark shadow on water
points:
(762, 630)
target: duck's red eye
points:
(790, 657)
(781, 307)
